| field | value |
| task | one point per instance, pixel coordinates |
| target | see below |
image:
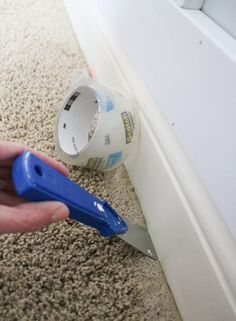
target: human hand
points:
(17, 214)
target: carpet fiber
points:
(67, 271)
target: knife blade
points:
(138, 237)
(37, 181)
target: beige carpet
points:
(65, 272)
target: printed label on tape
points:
(113, 159)
(105, 102)
(107, 139)
(109, 104)
(95, 163)
(71, 100)
(128, 126)
(74, 144)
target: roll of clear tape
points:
(96, 126)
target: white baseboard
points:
(195, 247)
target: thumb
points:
(30, 217)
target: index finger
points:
(10, 150)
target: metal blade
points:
(138, 237)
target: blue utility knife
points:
(37, 181)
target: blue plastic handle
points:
(37, 181)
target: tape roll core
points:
(76, 119)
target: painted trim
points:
(190, 4)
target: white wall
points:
(192, 79)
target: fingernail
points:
(60, 214)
